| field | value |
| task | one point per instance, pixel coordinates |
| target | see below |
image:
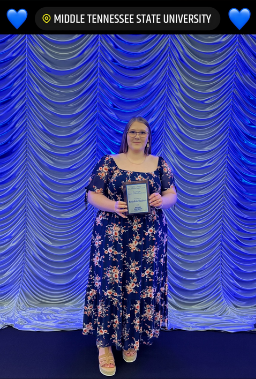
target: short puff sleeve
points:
(98, 181)
(166, 175)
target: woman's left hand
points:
(155, 200)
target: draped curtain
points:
(64, 103)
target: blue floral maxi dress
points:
(126, 295)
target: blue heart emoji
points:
(239, 19)
(17, 18)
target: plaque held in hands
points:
(136, 196)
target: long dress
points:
(126, 295)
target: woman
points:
(126, 296)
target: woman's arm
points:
(101, 202)
(169, 198)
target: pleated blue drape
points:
(64, 103)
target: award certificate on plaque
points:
(136, 194)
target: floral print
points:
(126, 296)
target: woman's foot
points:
(129, 355)
(130, 352)
(103, 362)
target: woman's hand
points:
(120, 208)
(155, 200)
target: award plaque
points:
(136, 194)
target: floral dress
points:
(126, 296)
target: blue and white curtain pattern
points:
(64, 103)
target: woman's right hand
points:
(121, 208)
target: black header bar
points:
(42, 17)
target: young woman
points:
(126, 296)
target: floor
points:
(175, 354)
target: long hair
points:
(124, 144)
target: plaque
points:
(136, 196)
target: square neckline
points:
(140, 172)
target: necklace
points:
(136, 163)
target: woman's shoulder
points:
(116, 155)
(105, 160)
(155, 158)
(158, 157)
(112, 160)
(117, 158)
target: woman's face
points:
(137, 141)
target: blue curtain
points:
(64, 103)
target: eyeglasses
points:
(132, 134)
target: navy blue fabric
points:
(126, 298)
(101, 174)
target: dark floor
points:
(175, 354)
